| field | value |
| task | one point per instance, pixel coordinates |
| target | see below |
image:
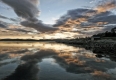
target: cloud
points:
(3, 17)
(3, 24)
(89, 18)
(24, 8)
(108, 27)
(109, 19)
(40, 26)
(11, 19)
(27, 71)
(3, 56)
(19, 30)
(82, 63)
(28, 9)
(34, 2)
(39, 55)
(106, 6)
(81, 16)
(76, 18)
(73, 15)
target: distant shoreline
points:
(24, 40)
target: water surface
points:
(52, 61)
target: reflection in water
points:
(52, 61)
(26, 71)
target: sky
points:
(58, 18)
(50, 10)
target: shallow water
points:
(52, 61)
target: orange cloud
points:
(106, 6)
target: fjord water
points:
(52, 61)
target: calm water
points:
(52, 61)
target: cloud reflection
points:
(26, 71)
(75, 61)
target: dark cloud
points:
(107, 13)
(3, 56)
(19, 30)
(39, 55)
(111, 19)
(85, 15)
(76, 65)
(3, 17)
(26, 71)
(3, 24)
(39, 26)
(73, 14)
(20, 51)
(24, 8)
(88, 18)
(28, 9)
(77, 13)
(5, 63)
(29, 70)
(98, 16)
(11, 19)
(108, 27)
(71, 67)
